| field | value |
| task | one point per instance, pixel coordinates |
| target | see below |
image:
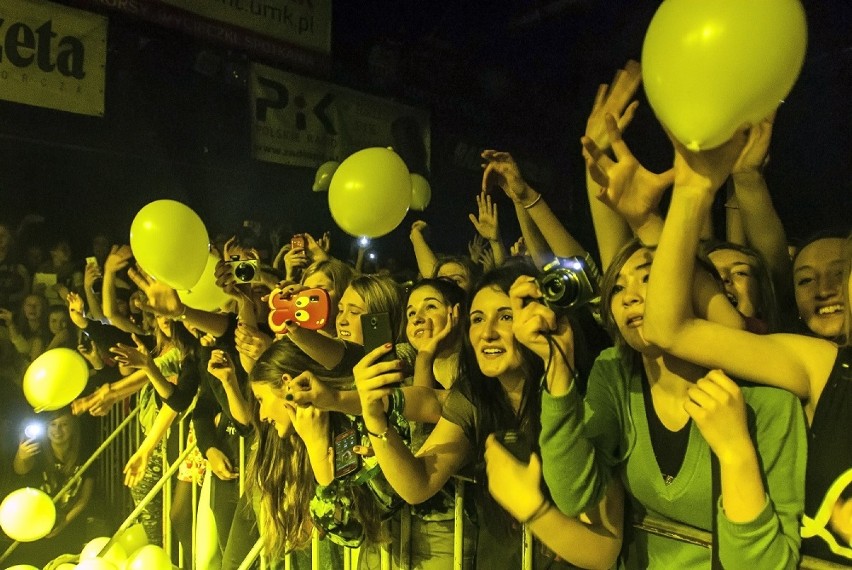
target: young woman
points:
(819, 287)
(28, 328)
(48, 461)
(172, 381)
(499, 390)
(292, 470)
(814, 369)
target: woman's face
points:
(818, 283)
(59, 430)
(457, 273)
(491, 335)
(58, 321)
(425, 314)
(348, 320)
(165, 326)
(739, 277)
(627, 304)
(322, 281)
(272, 406)
(32, 308)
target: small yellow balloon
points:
(133, 538)
(27, 514)
(115, 555)
(370, 193)
(711, 67)
(170, 242)
(421, 192)
(324, 174)
(149, 557)
(54, 379)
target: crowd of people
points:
(681, 376)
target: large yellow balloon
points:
(713, 66)
(421, 193)
(205, 295)
(27, 514)
(370, 193)
(54, 379)
(170, 242)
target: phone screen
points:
(297, 242)
(345, 459)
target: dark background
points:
(518, 76)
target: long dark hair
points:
(279, 470)
(491, 401)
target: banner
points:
(52, 56)
(303, 23)
(304, 122)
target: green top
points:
(581, 446)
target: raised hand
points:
(706, 170)
(28, 449)
(134, 357)
(75, 303)
(91, 274)
(250, 342)
(318, 249)
(294, 261)
(307, 389)
(755, 154)
(626, 187)
(476, 246)
(502, 170)
(221, 367)
(537, 327)
(613, 100)
(515, 485)
(119, 258)
(486, 222)
(519, 248)
(716, 405)
(159, 298)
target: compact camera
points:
(567, 283)
(245, 270)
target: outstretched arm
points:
(796, 363)
(426, 259)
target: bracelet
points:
(382, 436)
(538, 513)
(533, 203)
(182, 315)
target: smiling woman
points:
(818, 284)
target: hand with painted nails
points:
(374, 381)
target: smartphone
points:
(376, 330)
(345, 459)
(34, 430)
(517, 444)
(92, 261)
(308, 309)
(297, 242)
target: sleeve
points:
(187, 385)
(579, 441)
(203, 418)
(458, 409)
(772, 540)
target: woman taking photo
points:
(499, 390)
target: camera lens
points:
(560, 288)
(244, 272)
(374, 321)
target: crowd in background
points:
(678, 374)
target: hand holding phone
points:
(346, 460)
(515, 443)
(297, 242)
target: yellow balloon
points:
(170, 242)
(421, 193)
(149, 557)
(324, 173)
(96, 564)
(370, 193)
(205, 295)
(27, 514)
(115, 555)
(23, 567)
(712, 66)
(133, 538)
(54, 379)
